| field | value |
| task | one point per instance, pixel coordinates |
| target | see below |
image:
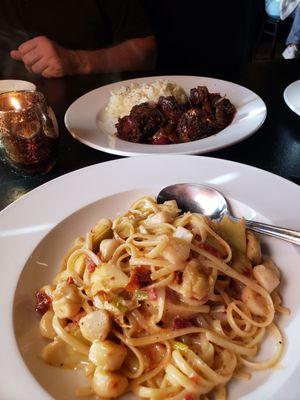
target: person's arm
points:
(43, 56)
(131, 55)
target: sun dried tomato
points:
(42, 302)
(139, 277)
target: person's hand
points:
(45, 57)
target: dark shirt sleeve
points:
(127, 19)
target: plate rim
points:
(194, 149)
(296, 110)
(126, 159)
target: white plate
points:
(10, 85)
(37, 230)
(291, 96)
(87, 121)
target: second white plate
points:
(87, 122)
(291, 96)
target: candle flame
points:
(15, 103)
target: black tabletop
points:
(275, 147)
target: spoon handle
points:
(281, 233)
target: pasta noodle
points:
(163, 304)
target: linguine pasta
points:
(163, 304)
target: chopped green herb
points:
(117, 304)
(141, 295)
(180, 346)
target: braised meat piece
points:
(166, 135)
(195, 124)
(170, 109)
(214, 98)
(143, 121)
(128, 129)
(199, 97)
(170, 122)
(160, 138)
(148, 117)
(225, 112)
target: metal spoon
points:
(208, 201)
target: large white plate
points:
(37, 229)
(291, 96)
(87, 121)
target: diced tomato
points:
(42, 302)
(152, 294)
(179, 323)
(91, 266)
(139, 277)
(70, 280)
(189, 396)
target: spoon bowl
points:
(208, 201)
(196, 198)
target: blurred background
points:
(215, 34)
(210, 35)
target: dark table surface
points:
(275, 147)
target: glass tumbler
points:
(28, 132)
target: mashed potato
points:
(124, 98)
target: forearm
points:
(131, 55)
